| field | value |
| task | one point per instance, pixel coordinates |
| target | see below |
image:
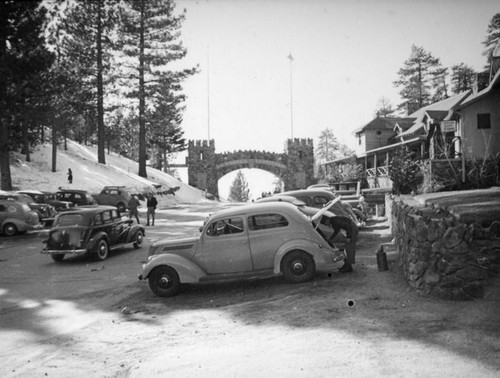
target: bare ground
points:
(367, 323)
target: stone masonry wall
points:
(441, 256)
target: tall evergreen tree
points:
(492, 38)
(150, 42)
(384, 108)
(22, 58)
(462, 78)
(239, 192)
(416, 78)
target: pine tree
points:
(492, 38)
(462, 78)
(239, 192)
(23, 59)
(149, 35)
(416, 77)
(384, 108)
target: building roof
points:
(481, 94)
(438, 111)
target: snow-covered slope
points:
(92, 176)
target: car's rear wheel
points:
(164, 281)
(298, 266)
(57, 257)
(10, 229)
(138, 239)
(121, 207)
(102, 249)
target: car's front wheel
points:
(102, 249)
(10, 229)
(139, 237)
(164, 281)
(57, 257)
(298, 266)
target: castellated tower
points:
(300, 164)
(201, 162)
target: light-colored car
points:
(117, 196)
(17, 217)
(256, 240)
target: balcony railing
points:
(379, 171)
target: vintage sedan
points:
(94, 230)
(256, 240)
(17, 218)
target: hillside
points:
(89, 175)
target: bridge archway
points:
(260, 183)
(295, 166)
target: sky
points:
(346, 55)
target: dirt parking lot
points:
(367, 323)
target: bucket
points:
(382, 259)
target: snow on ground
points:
(89, 175)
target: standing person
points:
(133, 204)
(70, 176)
(348, 238)
(151, 204)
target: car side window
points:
(266, 221)
(98, 219)
(114, 215)
(320, 201)
(225, 227)
(106, 217)
(306, 200)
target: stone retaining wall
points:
(441, 256)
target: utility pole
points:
(208, 91)
(290, 57)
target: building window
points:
(359, 140)
(484, 121)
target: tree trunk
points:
(54, 143)
(142, 100)
(101, 138)
(4, 155)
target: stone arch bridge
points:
(295, 166)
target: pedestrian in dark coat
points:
(151, 204)
(133, 204)
(70, 176)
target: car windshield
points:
(71, 219)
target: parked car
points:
(45, 197)
(318, 197)
(116, 196)
(16, 218)
(76, 196)
(94, 230)
(256, 240)
(45, 212)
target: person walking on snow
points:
(151, 204)
(70, 176)
(133, 204)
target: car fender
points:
(93, 241)
(133, 232)
(187, 270)
(318, 251)
(20, 225)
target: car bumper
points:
(63, 251)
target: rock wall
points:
(442, 256)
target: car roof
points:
(89, 210)
(282, 198)
(60, 190)
(261, 207)
(309, 192)
(29, 191)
